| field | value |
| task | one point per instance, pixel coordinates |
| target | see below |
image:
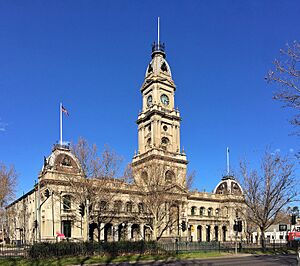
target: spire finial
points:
(158, 31)
(227, 161)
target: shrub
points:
(64, 249)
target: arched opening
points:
(209, 212)
(92, 228)
(216, 233)
(208, 233)
(108, 232)
(122, 232)
(199, 233)
(218, 212)
(224, 230)
(169, 176)
(135, 232)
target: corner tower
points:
(159, 123)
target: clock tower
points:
(159, 123)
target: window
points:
(117, 206)
(164, 141)
(149, 141)
(169, 176)
(144, 176)
(103, 205)
(141, 207)
(218, 212)
(193, 210)
(66, 227)
(128, 207)
(67, 203)
(202, 211)
(209, 212)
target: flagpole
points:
(60, 124)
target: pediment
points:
(176, 189)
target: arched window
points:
(169, 176)
(226, 211)
(141, 207)
(202, 211)
(193, 210)
(149, 141)
(164, 143)
(67, 203)
(129, 206)
(209, 212)
(103, 206)
(218, 212)
(117, 206)
(144, 176)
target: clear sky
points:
(92, 55)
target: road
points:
(258, 260)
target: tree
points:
(93, 192)
(286, 74)
(159, 199)
(269, 191)
(8, 182)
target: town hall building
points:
(156, 205)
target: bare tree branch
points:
(267, 192)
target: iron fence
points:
(13, 251)
(43, 250)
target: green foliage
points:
(65, 249)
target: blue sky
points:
(92, 55)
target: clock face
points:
(149, 101)
(164, 99)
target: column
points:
(142, 231)
(116, 232)
(129, 231)
(101, 231)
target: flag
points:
(63, 109)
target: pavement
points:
(242, 259)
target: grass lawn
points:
(105, 259)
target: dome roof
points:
(62, 159)
(158, 66)
(228, 185)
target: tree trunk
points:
(154, 236)
(263, 239)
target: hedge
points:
(65, 249)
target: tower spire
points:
(158, 31)
(158, 48)
(227, 153)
